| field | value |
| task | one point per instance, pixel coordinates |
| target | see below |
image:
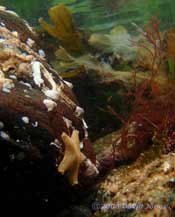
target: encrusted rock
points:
(34, 104)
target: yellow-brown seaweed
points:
(63, 28)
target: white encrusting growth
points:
(7, 86)
(166, 167)
(53, 94)
(13, 77)
(35, 124)
(30, 42)
(85, 124)
(26, 84)
(81, 145)
(41, 53)
(37, 73)
(79, 111)
(2, 24)
(4, 135)
(57, 144)
(50, 104)
(54, 144)
(69, 84)
(55, 91)
(38, 70)
(67, 122)
(25, 119)
(85, 127)
(2, 40)
(27, 96)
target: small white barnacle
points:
(67, 122)
(4, 135)
(13, 77)
(25, 119)
(7, 86)
(26, 84)
(41, 53)
(79, 111)
(27, 96)
(35, 124)
(69, 84)
(30, 42)
(81, 145)
(2, 24)
(50, 104)
(54, 144)
(2, 40)
(84, 124)
(53, 94)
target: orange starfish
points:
(72, 157)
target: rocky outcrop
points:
(143, 188)
(36, 107)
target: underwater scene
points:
(87, 108)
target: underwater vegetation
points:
(103, 15)
(150, 56)
(99, 16)
(130, 77)
(118, 41)
(151, 119)
(63, 28)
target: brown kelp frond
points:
(70, 66)
(63, 28)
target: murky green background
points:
(100, 15)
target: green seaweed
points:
(100, 15)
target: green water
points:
(99, 15)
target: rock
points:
(34, 104)
(140, 189)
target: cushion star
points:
(72, 157)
